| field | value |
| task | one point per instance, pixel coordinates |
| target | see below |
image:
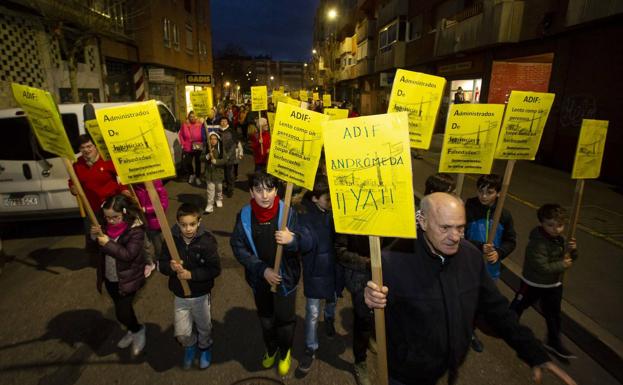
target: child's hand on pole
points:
(102, 239)
(272, 277)
(284, 237)
(572, 245)
(176, 266)
(490, 253)
(184, 274)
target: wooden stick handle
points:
(81, 195)
(282, 226)
(379, 314)
(500, 203)
(460, 179)
(575, 208)
(166, 229)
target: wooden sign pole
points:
(460, 179)
(282, 226)
(259, 131)
(575, 208)
(166, 229)
(379, 314)
(81, 195)
(500, 203)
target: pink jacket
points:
(190, 133)
(143, 198)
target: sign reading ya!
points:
(44, 119)
(420, 95)
(296, 144)
(135, 139)
(370, 178)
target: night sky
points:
(282, 29)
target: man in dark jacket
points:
(439, 284)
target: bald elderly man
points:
(436, 286)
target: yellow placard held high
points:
(276, 96)
(524, 120)
(370, 178)
(98, 139)
(45, 120)
(136, 141)
(590, 150)
(471, 135)
(271, 120)
(316, 96)
(201, 102)
(420, 95)
(336, 113)
(303, 95)
(326, 100)
(296, 142)
(259, 98)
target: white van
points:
(33, 182)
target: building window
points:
(189, 39)
(166, 31)
(416, 26)
(390, 34)
(188, 6)
(362, 50)
(176, 37)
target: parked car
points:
(33, 182)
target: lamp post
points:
(332, 17)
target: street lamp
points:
(314, 51)
(332, 14)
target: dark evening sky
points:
(282, 29)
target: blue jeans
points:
(312, 313)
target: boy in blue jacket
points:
(254, 243)
(479, 216)
(319, 267)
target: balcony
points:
(346, 74)
(582, 11)
(363, 67)
(483, 24)
(391, 10)
(366, 29)
(394, 57)
(347, 46)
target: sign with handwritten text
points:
(336, 113)
(135, 139)
(522, 128)
(471, 135)
(295, 145)
(259, 98)
(369, 169)
(420, 95)
(201, 102)
(590, 150)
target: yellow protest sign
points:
(271, 120)
(420, 95)
(303, 95)
(259, 98)
(590, 150)
(471, 135)
(45, 120)
(336, 113)
(316, 96)
(369, 170)
(98, 139)
(282, 89)
(276, 96)
(296, 141)
(135, 139)
(201, 102)
(524, 120)
(293, 102)
(294, 94)
(326, 100)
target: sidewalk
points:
(592, 302)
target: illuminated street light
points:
(332, 14)
(272, 78)
(305, 65)
(314, 51)
(227, 84)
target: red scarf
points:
(264, 215)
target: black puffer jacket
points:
(432, 303)
(200, 257)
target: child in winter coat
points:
(154, 232)
(214, 172)
(121, 265)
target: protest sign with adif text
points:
(136, 142)
(369, 169)
(295, 145)
(522, 128)
(44, 119)
(470, 138)
(420, 95)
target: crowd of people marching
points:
(438, 288)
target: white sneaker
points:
(191, 179)
(138, 341)
(125, 341)
(209, 209)
(219, 203)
